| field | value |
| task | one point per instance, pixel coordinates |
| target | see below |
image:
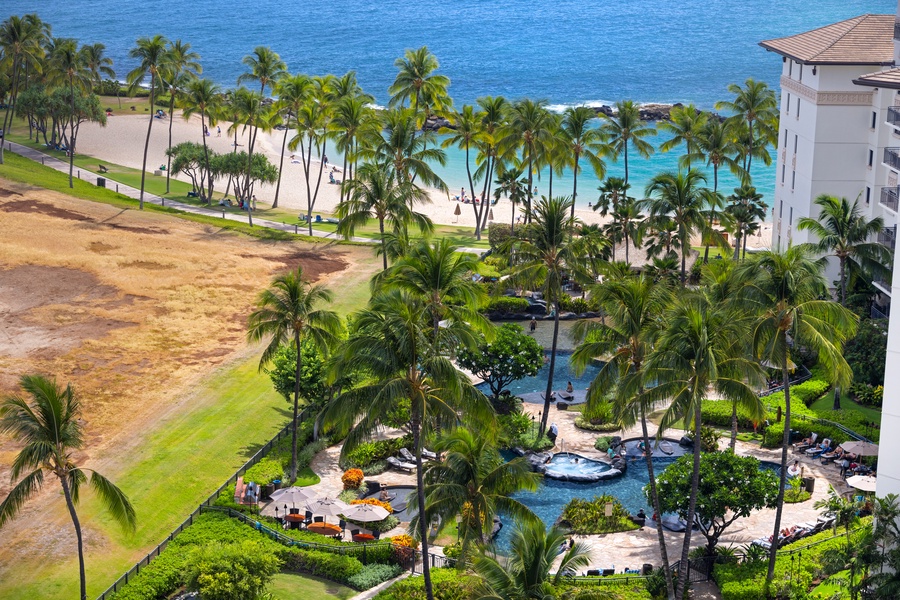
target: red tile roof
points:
(862, 40)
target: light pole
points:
(532, 425)
(458, 523)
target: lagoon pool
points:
(562, 374)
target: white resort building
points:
(840, 135)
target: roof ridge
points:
(856, 22)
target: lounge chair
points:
(429, 455)
(407, 455)
(802, 446)
(818, 450)
(399, 464)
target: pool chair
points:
(407, 455)
(429, 455)
(806, 443)
(819, 450)
(399, 464)
(593, 572)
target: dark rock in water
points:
(538, 460)
(615, 442)
(685, 441)
(604, 110)
(620, 464)
(435, 123)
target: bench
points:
(240, 492)
(103, 168)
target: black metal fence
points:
(205, 505)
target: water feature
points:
(530, 389)
(574, 467)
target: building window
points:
(783, 170)
(790, 69)
(800, 78)
(785, 139)
(874, 118)
(787, 106)
(796, 137)
(780, 208)
(793, 179)
(790, 216)
(868, 195)
(871, 157)
(798, 108)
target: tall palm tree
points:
(845, 232)
(676, 197)
(66, 63)
(493, 115)
(21, 46)
(625, 128)
(152, 56)
(293, 92)
(699, 349)
(744, 210)
(286, 313)
(392, 348)
(47, 421)
(473, 481)
(203, 96)
(582, 140)
(755, 106)
(528, 127)
(526, 573)
(684, 125)
(374, 193)
(352, 116)
(546, 258)
(396, 146)
(785, 290)
(264, 67)
(633, 306)
(182, 66)
(248, 109)
(417, 80)
(626, 225)
(465, 135)
(97, 63)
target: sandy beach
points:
(121, 142)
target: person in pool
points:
(795, 469)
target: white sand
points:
(122, 142)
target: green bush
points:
(323, 564)
(588, 517)
(506, 305)
(602, 443)
(448, 584)
(499, 234)
(573, 305)
(265, 471)
(368, 453)
(372, 575)
(582, 423)
(867, 395)
(306, 454)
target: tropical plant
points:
(205, 97)
(66, 63)
(684, 124)
(21, 47)
(625, 128)
(465, 134)
(490, 159)
(182, 67)
(756, 108)
(285, 313)
(395, 146)
(528, 127)
(152, 56)
(98, 65)
(784, 292)
(47, 421)
(511, 356)
(582, 140)
(416, 81)
(626, 225)
(745, 209)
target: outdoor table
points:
(363, 537)
(294, 520)
(324, 529)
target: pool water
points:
(562, 374)
(573, 464)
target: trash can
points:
(268, 490)
(277, 484)
(101, 182)
(809, 483)
(647, 570)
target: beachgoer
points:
(325, 158)
(569, 388)
(218, 131)
(641, 514)
(533, 325)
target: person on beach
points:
(325, 158)
(218, 131)
(533, 325)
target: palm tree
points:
(97, 64)
(700, 348)
(755, 106)
(416, 80)
(67, 64)
(744, 210)
(286, 313)
(785, 289)
(396, 146)
(465, 134)
(528, 126)
(626, 225)
(47, 422)
(392, 348)
(352, 116)
(845, 232)
(626, 128)
(264, 66)
(582, 140)
(203, 96)
(473, 481)
(684, 124)
(509, 183)
(375, 193)
(21, 45)
(493, 111)
(248, 109)
(546, 258)
(633, 306)
(676, 197)
(293, 92)
(182, 67)
(525, 574)
(152, 56)
(613, 190)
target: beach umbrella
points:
(865, 483)
(491, 215)
(860, 448)
(292, 496)
(366, 513)
(457, 212)
(327, 507)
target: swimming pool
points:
(562, 374)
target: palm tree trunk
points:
(415, 421)
(684, 564)
(530, 183)
(307, 166)
(654, 499)
(383, 242)
(147, 141)
(625, 153)
(72, 137)
(296, 410)
(785, 442)
(684, 251)
(321, 166)
(74, 515)
(575, 195)
(206, 155)
(171, 118)
(712, 213)
(734, 426)
(11, 106)
(552, 367)
(487, 194)
(843, 262)
(343, 177)
(737, 246)
(280, 168)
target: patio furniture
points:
(318, 519)
(376, 534)
(429, 455)
(399, 464)
(354, 532)
(363, 537)
(407, 455)
(802, 446)
(593, 572)
(294, 520)
(326, 529)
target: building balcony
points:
(893, 115)
(892, 158)
(896, 30)
(890, 198)
(888, 237)
(880, 312)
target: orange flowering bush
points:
(352, 479)
(404, 540)
(375, 502)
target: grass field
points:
(826, 402)
(290, 586)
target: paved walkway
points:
(131, 192)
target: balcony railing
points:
(893, 115)
(892, 157)
(890, 198)
(880, 312)
(888, 237)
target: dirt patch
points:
(132, 229)
(43, 208)
(146, 264)
(101, 248)
(5, 193)
(316, 263)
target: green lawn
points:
(291, 586)
(829, 589)
(826, 402)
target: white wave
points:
(559, 108)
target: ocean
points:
(568, 52)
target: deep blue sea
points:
(567, 52)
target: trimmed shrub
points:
(587, 517)
(368, 453)
(265, 471)
(372, 575)
(602, 443)
(507, 305)
(323, 564)
(449, 584)
(582, 423)
(352, 479)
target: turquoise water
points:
(568, 52)
(562, 373)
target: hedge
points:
(368, 453)
(507, 305)
(372, 575)
(448, 584)
(335, 567)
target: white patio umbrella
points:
(326, 507)
(865, 483)
(861, 448)
(366, 513)
(292, 496)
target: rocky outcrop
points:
(649, 112)
(436, 123)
